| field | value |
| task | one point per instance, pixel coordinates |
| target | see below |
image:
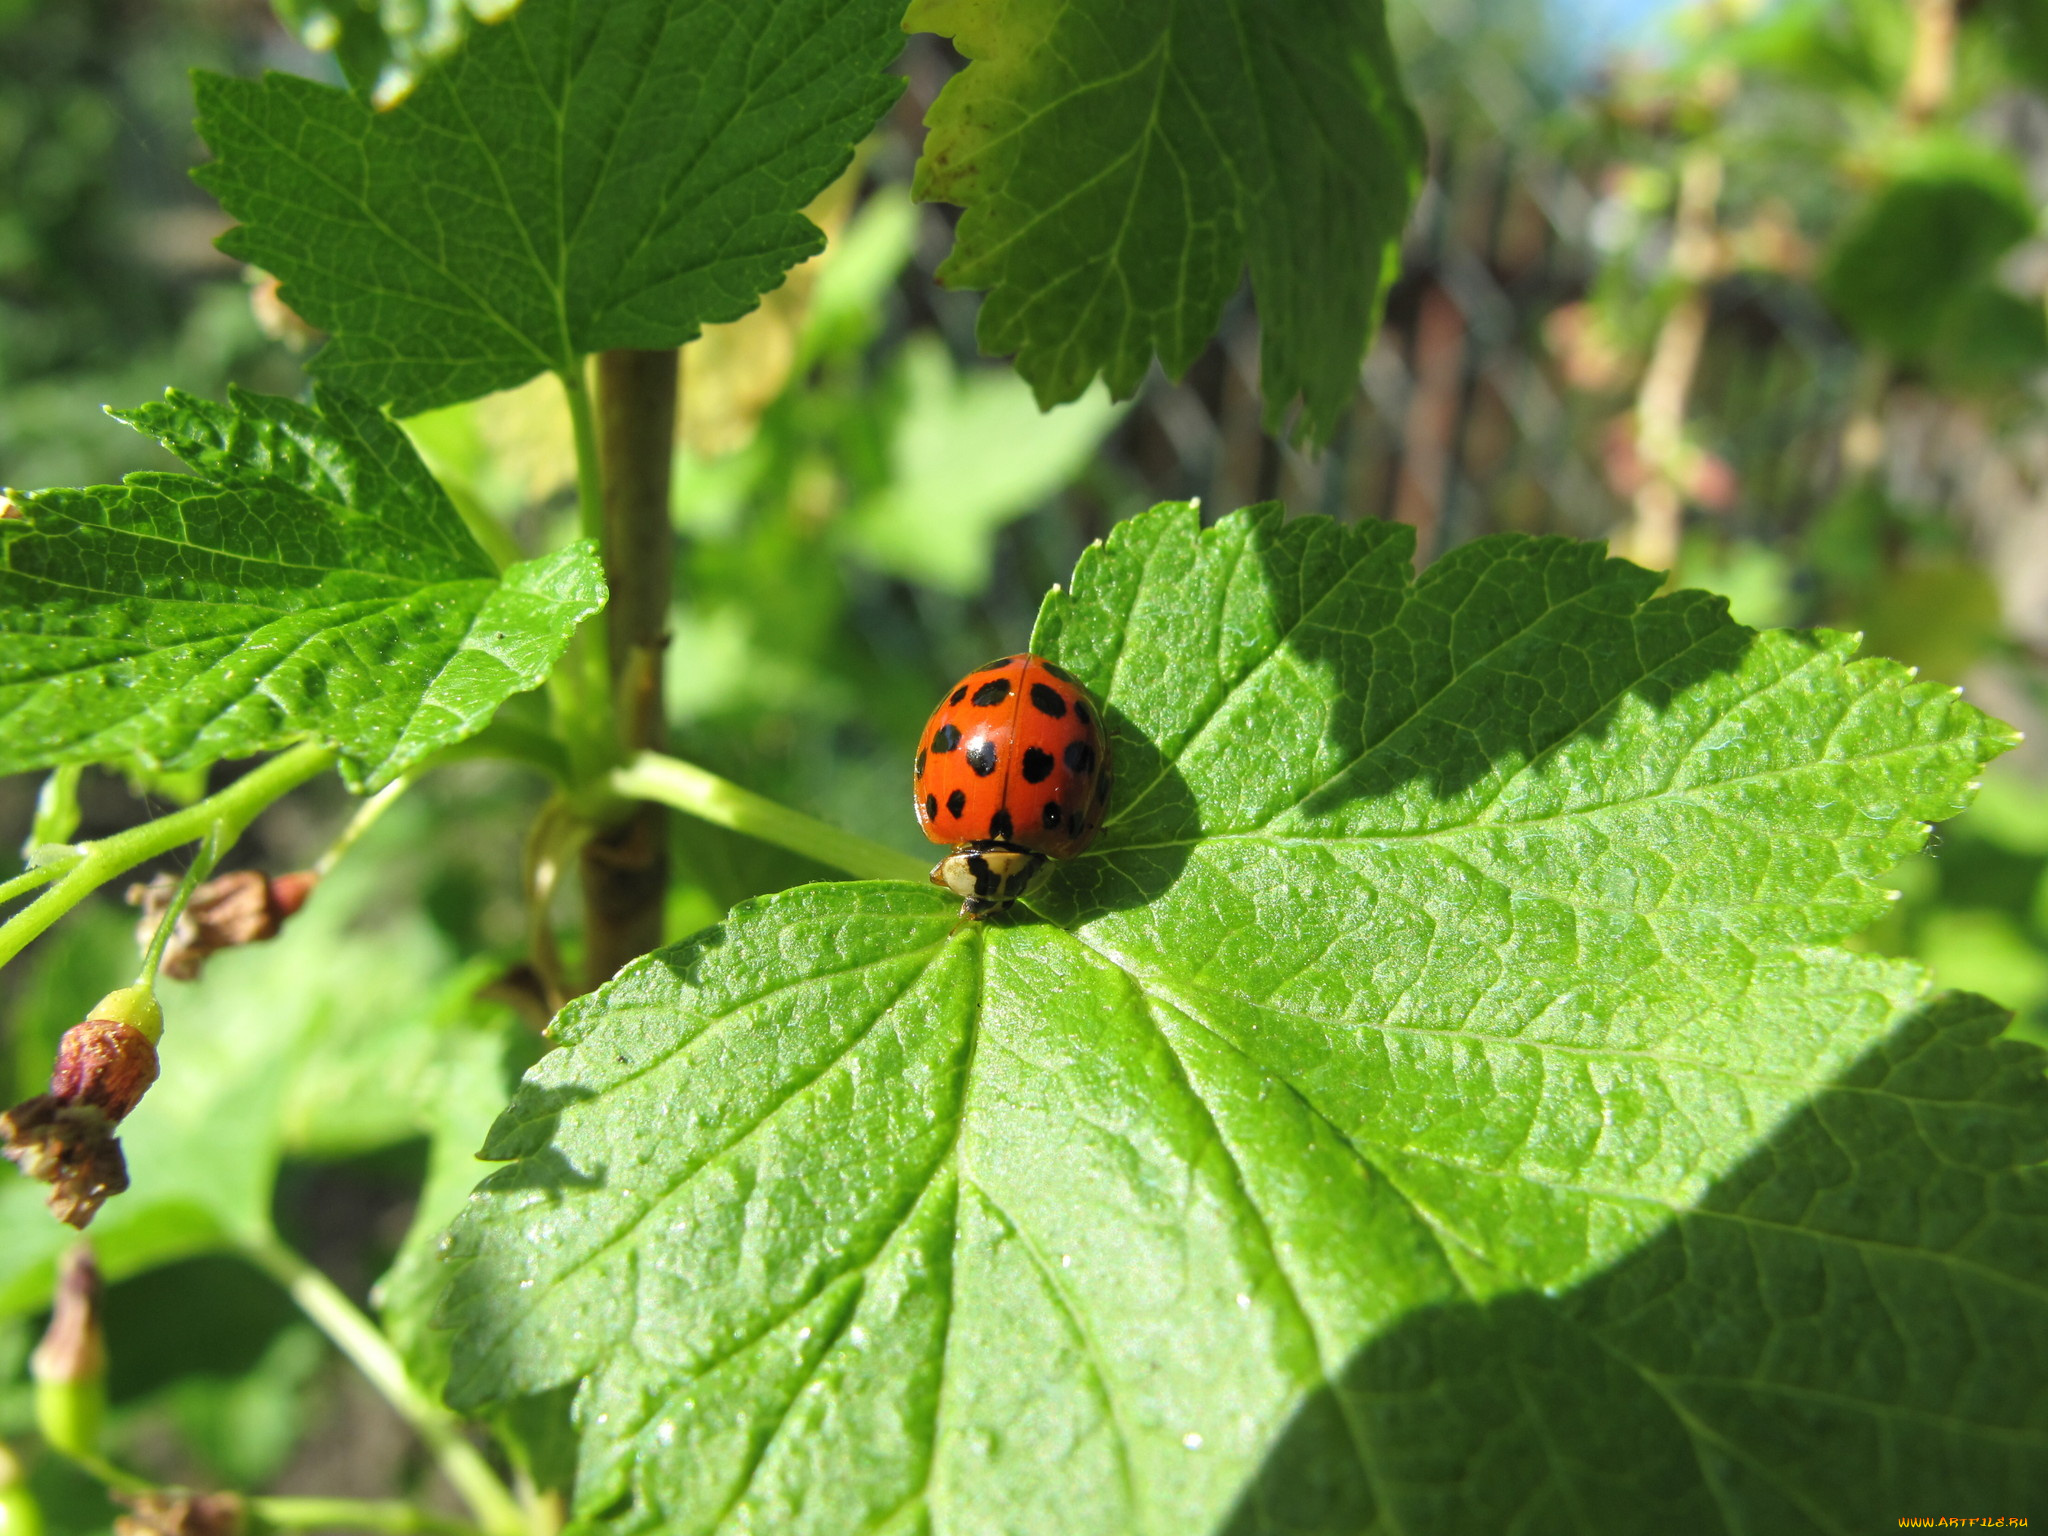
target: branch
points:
(231, 811)
(1652, 538)
(364, 1343)
(625, 860)
(389, 1515)
(723, 803)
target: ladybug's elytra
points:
(1012, 770)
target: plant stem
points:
(625, 860)
(391, 1515)
(723, 803)
(364, 1343)
(231, 810)
(580, 688)
(209, 854)
(589, 476)
(29, 879)
(367, 816)
(1653, 538)
(56, 819)
(1931, 74)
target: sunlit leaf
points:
(1434, 1105)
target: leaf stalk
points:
(230, 812)
(356, 1336)
(705, 795)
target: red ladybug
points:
(1012, 770)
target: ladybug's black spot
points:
(1047, 701)
(1059, 672)
(992, 693)
(946, 738)
(1037, 765)
(958, 694)
(956, 802)
(931, 807)
(1080, 757)
(981, 757)
(997, 665)
(920, 767)
(1081, 711)
(1000, 826)
(1052, 815)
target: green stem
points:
(231, 810)
(367, 816)
(209, 854)
(102, 1470)
(581, 688)
(651, 776)
(364, 1343)
(390, 1515)
(589, 475)
(29, 879)
(401, 1519)
(56, 819)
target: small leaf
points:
(1431, 1106)
(1122, 163)
(968, 454)
(574, 178)
(1926, 243)
(310, 580)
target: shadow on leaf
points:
(1846, 1329)
(523, 1136)
(1496, 654)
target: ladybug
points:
(1012, 770)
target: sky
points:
(1590, 29)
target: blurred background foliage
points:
(1755, 291)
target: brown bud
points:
(65, 1138)
(107, 1065)
(241, 908)
(73, 1349)
(10, 510)
(181, 1514)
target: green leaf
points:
(574, 178)
(1925, 245)
(967, 456)
(310, 580)
(1122, 163)
(1432, 1106)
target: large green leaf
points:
(1432, 1107)
(1123, 161)
(574, 178)
(311, 579)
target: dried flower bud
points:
(181, 1514)
(241, 908)
(65, 1138)
(10, 510)
(70, 1365)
